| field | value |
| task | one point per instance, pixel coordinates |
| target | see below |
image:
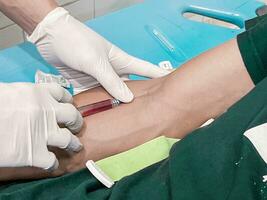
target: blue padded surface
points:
(157, 30)
(154, 31)
(19, 63)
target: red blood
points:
(96, 108)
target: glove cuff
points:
(49, 19)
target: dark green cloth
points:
(253, 47)
(216, 162)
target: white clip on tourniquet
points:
(99, 174)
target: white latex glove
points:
(29, 120)
(66, 43)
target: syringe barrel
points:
(101, 106)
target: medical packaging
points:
(41, 77)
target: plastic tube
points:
(101, 106)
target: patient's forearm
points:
(205, 87)
(27, 13)
(214, 80)
(173, 106)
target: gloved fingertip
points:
(158, 72)
(53, 167)
(77, 126)
(126, 96)
(165, 72)
(75, 145)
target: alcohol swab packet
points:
(41, 77)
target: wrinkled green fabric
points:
(253, 47)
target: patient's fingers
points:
(58, 93)
(64, 139)
(68, 115)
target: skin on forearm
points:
(27, 13)
(208, 85)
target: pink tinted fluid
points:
(101, 106)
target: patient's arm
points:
(173, 106)
(203, 88)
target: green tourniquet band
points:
(136, 159)
(253, 48)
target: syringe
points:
(101, 106)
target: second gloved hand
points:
(29, 122)
(84, 57)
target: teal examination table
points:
(155, 30)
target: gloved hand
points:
(67, 43)
(29, 120)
